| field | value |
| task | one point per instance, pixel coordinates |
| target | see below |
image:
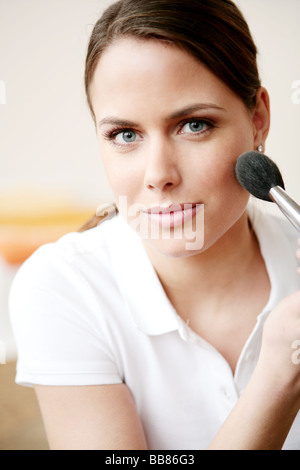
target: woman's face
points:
(170, 133)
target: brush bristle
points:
(257, 173)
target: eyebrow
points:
(117, 122)
(191, 109)
(110, 120)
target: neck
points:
(223, 265)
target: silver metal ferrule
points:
(287, 205)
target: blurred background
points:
(51, 174)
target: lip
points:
(167, 209)
(173, 215)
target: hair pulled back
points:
(213, 31)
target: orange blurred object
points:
(30, 219)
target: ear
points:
(261, 117)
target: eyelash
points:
(112, 133)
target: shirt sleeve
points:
(57, 331)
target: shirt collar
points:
(276, 237)
(146, 300)
(142, 292)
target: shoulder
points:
(277, 238)
(72, 277)
(287, 229)
(69, 258)
(282, 228)
(62, 304)
(271, 225)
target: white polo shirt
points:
(89, 309)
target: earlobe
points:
(261, 117)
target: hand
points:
(270, 402)
(281, 339)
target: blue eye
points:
(122, 137)
(127, 137)
(194, 127)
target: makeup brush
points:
(261, 177)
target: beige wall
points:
(47, 139)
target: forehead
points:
(134, 73)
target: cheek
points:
(119, 183)
(226, 190)
(224, 177)
(122, 181)
(227, 201)
(213, 175)
(113, 169)
(216, 169)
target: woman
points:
(171, 324)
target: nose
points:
(162, 170)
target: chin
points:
(175, 248)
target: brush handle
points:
(287, 205)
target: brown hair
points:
(213, 31)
